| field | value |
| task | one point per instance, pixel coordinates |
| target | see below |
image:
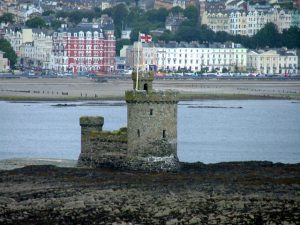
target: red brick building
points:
(87, 47)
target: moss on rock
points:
(116, 135)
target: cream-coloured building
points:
(18, 37)
(31, 45)
(282, 18)
(216, 21)
(4, 64)
(238, 23)
(273, 61)
(188, 56)
(250, 22)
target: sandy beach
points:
(85, 88)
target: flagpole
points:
(137, 66)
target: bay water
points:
(208, 131)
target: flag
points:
(145, 38)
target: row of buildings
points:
(215, 57)
(86, 47)
(89, 47)
(250, 22)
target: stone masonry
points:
(150, 140)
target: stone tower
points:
(152, 125)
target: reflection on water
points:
(208, 131)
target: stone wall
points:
(101, 148)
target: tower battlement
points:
(170, 96)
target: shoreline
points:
(182, 97)
(17, 163)
(82, 89)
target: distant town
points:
(70, 38)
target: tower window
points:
(146, 87)
(164, 133)
(138, 133)
(151, 112)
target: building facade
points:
(174, 21)
(216, 21)
(4, 63)
(32, 46)
(17, 37)
(273, 61)
(38, 52)
(188, 56)
(88, 47)
(249, 22)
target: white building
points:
(188, 56)
(273, 61)
(105, 5)
(126, 34)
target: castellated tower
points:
(152, 124)
(148, 143)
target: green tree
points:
(120, 44)
(157, 15)
(187, 33)
(291, 37)
(206, 34)
(75, 16)
(222, 36)
(55, 24)
(120, 14)
(166, 36)
(36, 22)
(7, 18)
(267, 36)
(8, 52)
(62, 14)
(176, 10)
(191, 12)
(48, 13)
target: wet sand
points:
(85, 88)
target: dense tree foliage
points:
(8, 52)
(55, 24)
(36, 22)
(48, 13)
(7, 18)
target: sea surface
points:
(208, 131)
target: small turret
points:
(145, 80)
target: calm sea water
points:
(208, 131)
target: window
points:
(151, 112)
(164, 133)
(138, 133)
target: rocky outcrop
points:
(224, 193)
